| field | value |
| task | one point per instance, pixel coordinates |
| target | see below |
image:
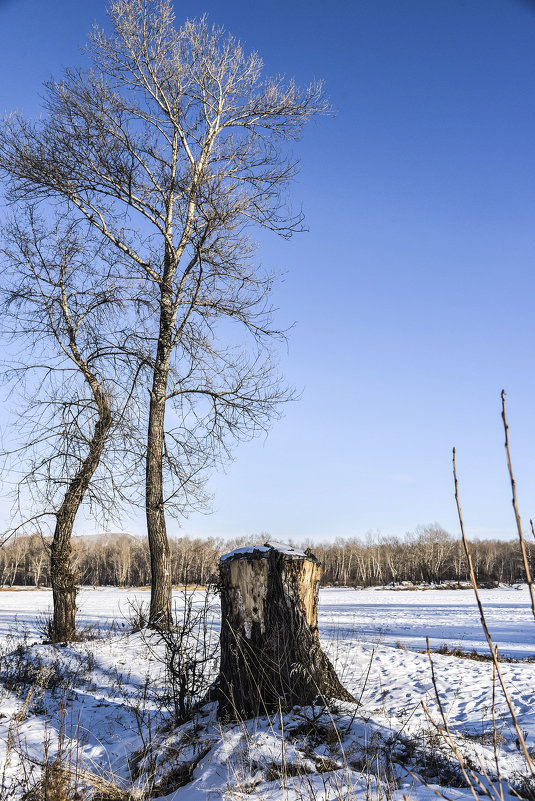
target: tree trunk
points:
(271, 657)
(62, 578)
(160, 612)
(61, 572)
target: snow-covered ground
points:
(375, 616)
(110, 702)
(445, 616)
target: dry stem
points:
(494, 655)
(515, 507)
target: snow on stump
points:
(271, 657)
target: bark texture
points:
(160, 613)
(63, 584)
(160, 598)
(271, 656)
(61, 572)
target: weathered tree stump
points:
(271, 657)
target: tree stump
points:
(271, 657)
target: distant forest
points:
(429, 554)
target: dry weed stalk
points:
(476, 786)
(490, 786)
(515, 508)
(493, 650)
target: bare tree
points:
(173, 147)
(61, 307)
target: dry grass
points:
(445, 650)
(6, 588)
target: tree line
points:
(428, 555)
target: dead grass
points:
(6, 588)
(445, 650)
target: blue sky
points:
(413, 292)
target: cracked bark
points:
(62, 575)
(271, 656)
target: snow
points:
(445, 616)
(263, 549)
(282, 547)
(237, 552)
(109, 692)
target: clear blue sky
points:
(413, 292)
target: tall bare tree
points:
(61, 306)
(173, 146)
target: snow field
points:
(110, 702)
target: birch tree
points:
(173, 146)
